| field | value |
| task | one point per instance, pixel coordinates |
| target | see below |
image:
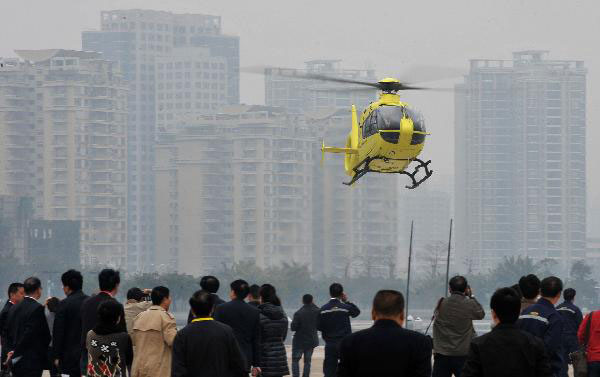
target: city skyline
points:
(148, 101)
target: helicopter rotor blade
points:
(300, 74)
(416, 73)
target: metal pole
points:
(448, 260)
(412, 223)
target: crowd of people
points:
(97, 336)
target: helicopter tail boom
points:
(339, 150)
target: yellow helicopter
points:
(389, 135)
(387, 139)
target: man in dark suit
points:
(244, 320)
(211, 285)
(108, 281)
(66, 346)
(28, 333)
(506, 350)
(206, 347)
(305, 336)
(386, 349)
(15, 295)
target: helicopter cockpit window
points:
(388, 118)
(370, 125)
(418, 124)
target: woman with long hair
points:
(109, 348)
(273, 331)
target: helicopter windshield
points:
(418, 124)
(384, 118)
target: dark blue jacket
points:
(572, 318)
(544, 321)
(334, 319)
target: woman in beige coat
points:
(153, 334)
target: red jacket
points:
(593, 350)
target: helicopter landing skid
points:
(363, 168)
(428, 173)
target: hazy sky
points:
(386, 36)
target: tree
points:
(435, 255)
(583, 283)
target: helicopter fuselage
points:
(390, 135)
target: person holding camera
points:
(453, 328)
(334, 324)
(137, 302)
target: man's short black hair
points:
(254, 292)
(388, 303)
(135, 294)
(14, 288)
(31, 284)
(240, 288)
(518, 290)
(336, 290)
(551, 286)
(202, 303)
(109, 312)
(307, 299)
(569, 294)
(108, 279)
(52, 304)
(72, 279)
(530, 286)
(458, 284)
(210, 283)
(506, 303)
(159, 294)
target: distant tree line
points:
(293, 280)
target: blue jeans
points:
(297, 354)
(594, 369)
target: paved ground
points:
(317, 363)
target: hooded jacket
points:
(273, 331)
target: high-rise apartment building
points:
(17, 123)
(299, 95)
(235, 186)
(520, 160)
(75, 127)
(142, 40)
(188, 81)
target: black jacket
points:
(28, 336)
(3, 328)
(207, 349)
(305, 326)
(334, 319)
(273, 331)
(244, 320)
(386, 349)
(66, 333)
(507, 351)
(89, 315)
(218, 301)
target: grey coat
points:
(453, 327)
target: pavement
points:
(316, 369)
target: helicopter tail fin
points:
(354, 132)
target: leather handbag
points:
(579, 357)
